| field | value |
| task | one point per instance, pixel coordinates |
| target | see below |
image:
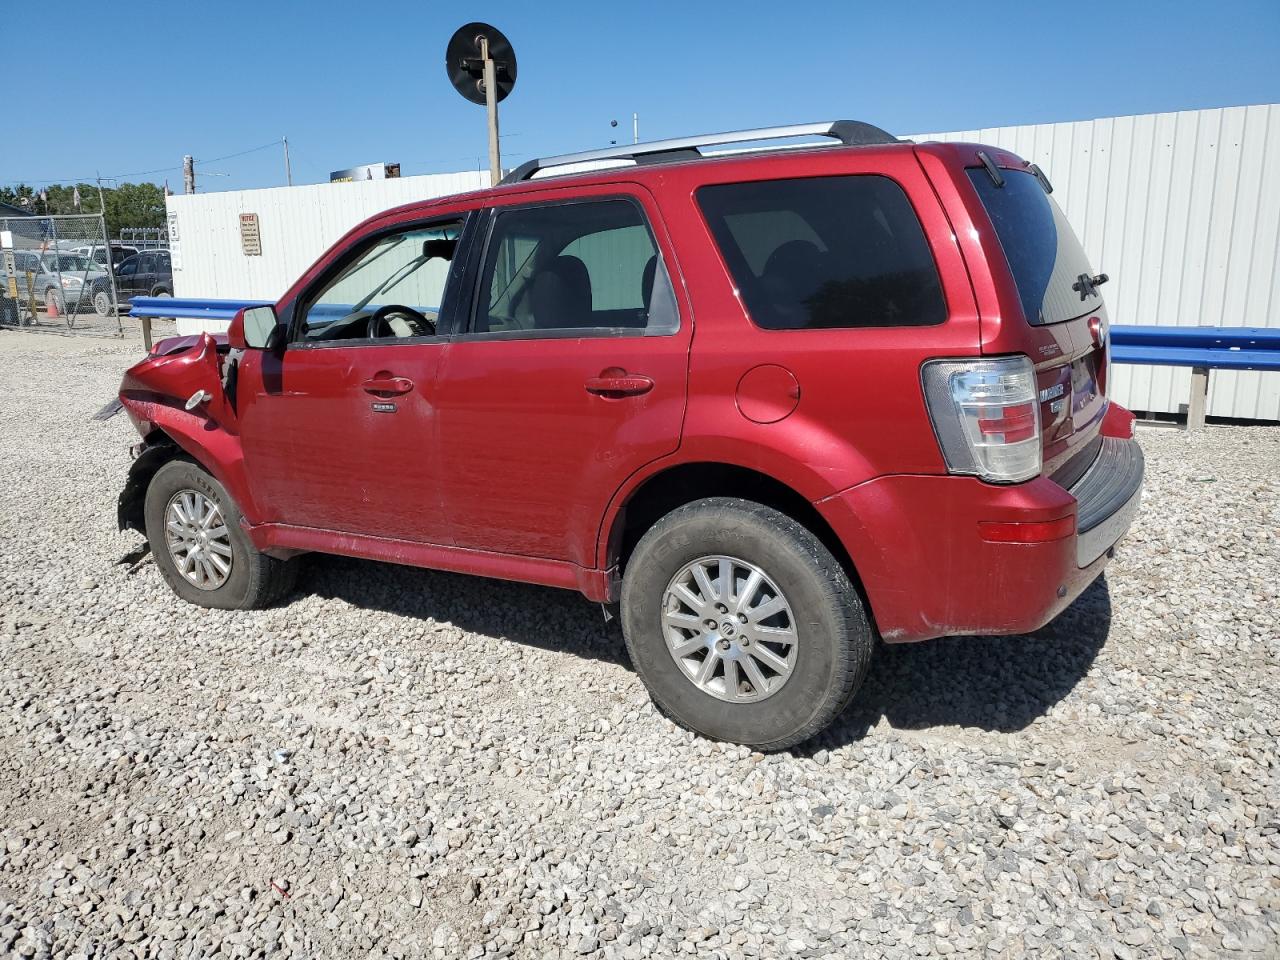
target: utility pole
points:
(491, 107)
(635, 128)
(102, 203)
(188, 174)
(288, 172)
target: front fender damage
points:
(181, 405)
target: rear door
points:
(1059, 295)
(144, 279)
(569, 375)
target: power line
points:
(265, 146)
(138, 173)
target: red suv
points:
(773, 404)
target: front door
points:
(127, 279)
(570, 376)
(338, 429)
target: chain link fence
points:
(56, 273)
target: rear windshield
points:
(825, 252)
(1044, 255)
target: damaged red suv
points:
(773, 404)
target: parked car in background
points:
(98, 253)
(892, 422)
(145, 274)
(63, 281)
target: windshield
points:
(1044, 255)
(69, 263)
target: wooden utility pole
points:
(288, 171)
(491, 107)
(188, 174)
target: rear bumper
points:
(929, 570)
(1107, 498)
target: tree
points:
(127, 205)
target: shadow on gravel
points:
(559, 620)
(993, 683)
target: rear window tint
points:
(825, 252)
(1043, 253)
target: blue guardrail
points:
(1209, 348)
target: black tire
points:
(254, 580)
(834, 639)
(102, 303)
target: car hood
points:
(169, 345)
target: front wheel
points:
(742, 625)
(203, 553)
(101, 303)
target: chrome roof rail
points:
(848, 132)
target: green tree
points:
(134, 205)
(127, 205)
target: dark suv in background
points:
(146, 274)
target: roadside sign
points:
(250, 238)
(10, 266)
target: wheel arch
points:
(665, 490)
(158, 449)
(176, 434)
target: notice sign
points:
(250, 238)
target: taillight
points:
(986, 415)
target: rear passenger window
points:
(583, 268)
(825, 252)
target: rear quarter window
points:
(825, 252)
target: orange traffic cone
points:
(52, 304)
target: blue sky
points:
(351, 82)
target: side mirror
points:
(252, 328)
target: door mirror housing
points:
(252, 328)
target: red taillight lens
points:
(1011, 425)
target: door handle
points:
(621, 384)
(388, 385)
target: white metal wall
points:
(297, 224)
(1182, 210)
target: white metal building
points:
(295, 226)
(1182, 210)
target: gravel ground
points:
(406, 763)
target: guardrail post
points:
(146, 332)
(1199, 397)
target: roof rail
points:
(848, 132)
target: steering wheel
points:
(379, 319)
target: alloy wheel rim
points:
(198, 539)
(729, 629)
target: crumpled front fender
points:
(155, 393)
(180, 377)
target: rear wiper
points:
(1087, 286)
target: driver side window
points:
(391, 289)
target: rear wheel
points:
(203, 553)
(101, 303)
(742, 625)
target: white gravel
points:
(406, 763)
